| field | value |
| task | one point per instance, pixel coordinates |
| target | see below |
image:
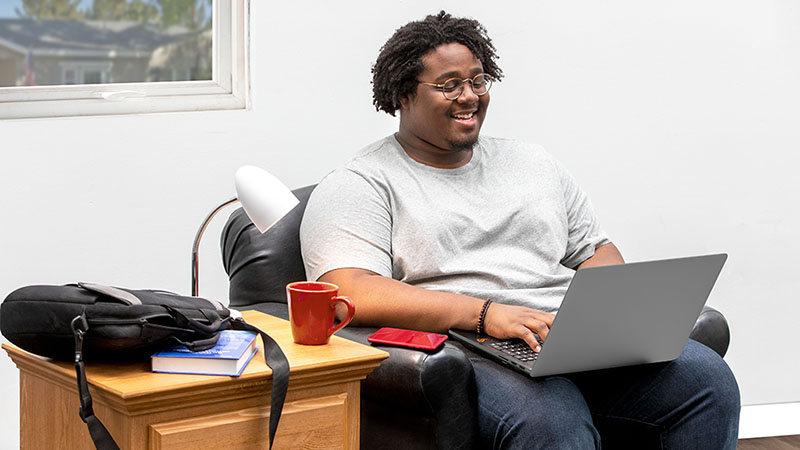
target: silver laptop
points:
(614, 316)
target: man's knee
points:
(713, 373)
(567, 429)
(548, 430)
(708, 416)
(711, 384)
(557, 417)
(550, 415)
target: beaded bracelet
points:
(482, 317)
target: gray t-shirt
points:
(510, 225)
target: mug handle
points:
(351, 311)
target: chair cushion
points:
(260, 265)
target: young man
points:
(424, 227)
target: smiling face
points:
(436, 131)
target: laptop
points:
(614, 316)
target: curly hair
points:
(394, 75)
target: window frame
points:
(227, 89)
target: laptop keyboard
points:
(516, 348)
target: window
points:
(156, 57)
(85, 72)
(70, 76)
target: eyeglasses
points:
(453, 87)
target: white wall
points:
(679, 118)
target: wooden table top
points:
(132, 385)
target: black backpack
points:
(90, 322)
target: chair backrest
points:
(260, 266)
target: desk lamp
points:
(264, 199)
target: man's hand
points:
(508, 321)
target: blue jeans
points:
(690, 403)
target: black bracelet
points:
(482, 317)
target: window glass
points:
(92, 77)
(70, 77)
(65, 42)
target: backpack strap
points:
(100, 435)
(277, 361)
(115, 293)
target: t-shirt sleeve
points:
(584, 231)
(346, 224)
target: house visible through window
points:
(70, 77)
(85, 72)
(133, 39)
(93, 77)
(141, 43)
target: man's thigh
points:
(516, 411)
(691, 402)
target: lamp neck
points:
(196, 246)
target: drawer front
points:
(317, 423)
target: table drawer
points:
(317, 423)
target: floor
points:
(771, 443)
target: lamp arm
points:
(196, 246)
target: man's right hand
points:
(509, 321)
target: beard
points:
(463, 145)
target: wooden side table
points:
(145, 410)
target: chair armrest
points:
(435, 387)
(711, 329)
(438, 384)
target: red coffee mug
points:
(312, 311)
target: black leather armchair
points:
(415, 399)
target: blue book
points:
(230, 356)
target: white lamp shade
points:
(264, 198)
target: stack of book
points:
(229, 356)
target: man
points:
(424, 227)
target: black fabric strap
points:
(277, 361)
(101, 437)
(200, 344)
(273, 356)
(216, 322)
